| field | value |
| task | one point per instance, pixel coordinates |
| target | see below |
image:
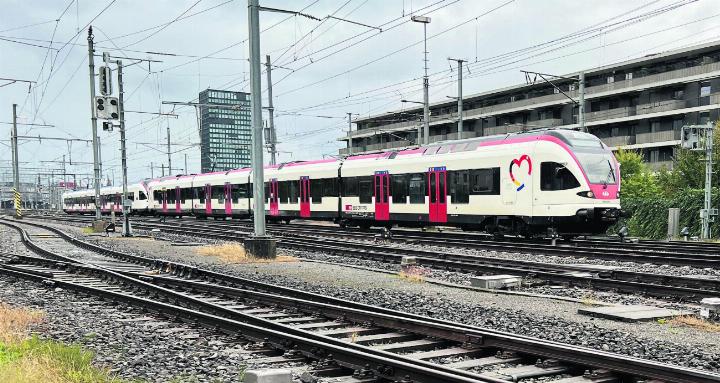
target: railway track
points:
(666, 286)
(350, 341)
(655, 252)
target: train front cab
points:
(576, 190)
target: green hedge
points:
(650, 215)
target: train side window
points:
(293, 191)
(267, 191)
(350, 187)
(399, 183)
(283, 191)
(183, 194)
(459, 186)
(235, 193)
(156, 196)
(555, 176)
(365, 189)
(142, 195)
(131, 196)
(316, 190)
(171, 196)
(417, 188)
(200, 194)
(218, 192)
(485, 181)
(330, 187)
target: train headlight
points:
(586, 194)
(617, 195)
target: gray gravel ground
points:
(130, 343)
(543, 318)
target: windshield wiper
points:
(611, 173)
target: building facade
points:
(225, 132)
(638, 104)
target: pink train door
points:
(382, 196)
(163, 195)
(437, 191)
(208, 200)
(274, 206)
(305, 196)
(228, 200)
(177, 199)
(118, 202)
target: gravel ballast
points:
(543, 318)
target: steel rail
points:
(569, 353)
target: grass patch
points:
(413, 274)
(235, 253)
(34, 360)
(694, 322)
(88, 230)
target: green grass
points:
(36, 360)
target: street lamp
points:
(426, 84)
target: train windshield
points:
(599, 166)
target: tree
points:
(631, 162)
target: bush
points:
(650, 213)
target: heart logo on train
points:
(518, 162)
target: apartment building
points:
(638, 104)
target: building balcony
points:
(626, 111)
(616, 141)
(381, 146)
(714, 98)
(458, 136)
(661, 106)
(658, 165)
(654, 78)
(504, 129)
(647, 138)
(546, 123)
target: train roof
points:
(572, 138)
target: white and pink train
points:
(523, 183)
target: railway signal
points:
(106, 108)
(105, 79)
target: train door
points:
(305, 196)
(382, 196)
(208, 199)
(437, 191)
(274, 205)
(177, 199)
(163, 195)
(117, 202)
(228, 198)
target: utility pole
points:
(426, 94)
(700, 138)
(259, 244)
(93, 120)
(350, 133)
(459, 97)
(581, 101)
(17, 197)
(127, 231)
(152, 175)
(162, 169)
(186, 168)
(168, 150)
(272, 143)
(426, 82)
(707, 214)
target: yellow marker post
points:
(18, 203)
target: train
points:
(532, 183)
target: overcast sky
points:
(324, 69)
